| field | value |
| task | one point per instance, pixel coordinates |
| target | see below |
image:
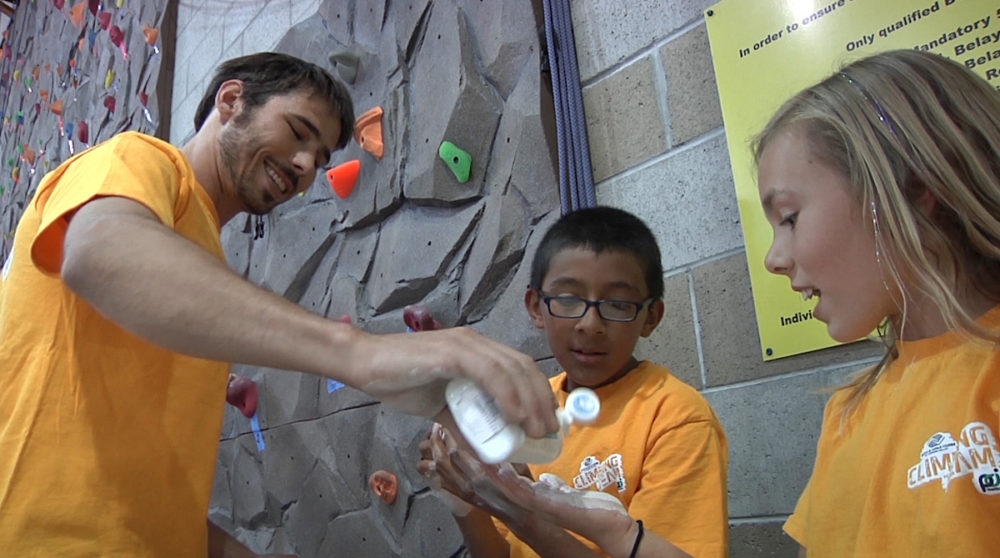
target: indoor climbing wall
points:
(74, 73)
(438, 202)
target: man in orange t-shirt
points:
(118, 316)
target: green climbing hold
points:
(457, 160)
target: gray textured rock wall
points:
(73, 74)
(468, 72)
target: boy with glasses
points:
(596, 288)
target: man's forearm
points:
(166, 289)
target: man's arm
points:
(158, 285)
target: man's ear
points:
(653, 316)
(229, 99)
(533, 302)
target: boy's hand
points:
(462, 475)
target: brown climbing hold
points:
(384, 485)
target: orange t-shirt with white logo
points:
(914, 470)
(658, 447)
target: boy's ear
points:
(533, 302)
(229, 99)
(653, 316)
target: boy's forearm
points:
(550, 540)
(481, 536)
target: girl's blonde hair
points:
(906, 127)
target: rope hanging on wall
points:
(576, 178)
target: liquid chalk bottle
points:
(495, 441)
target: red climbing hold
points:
(242, 394)
(419, 318)
(343, 176)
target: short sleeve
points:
(127, 166)
(685, 469)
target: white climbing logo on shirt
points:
(601, 474)
(943, 458)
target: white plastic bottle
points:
(495, 441)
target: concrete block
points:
(268, 26)
(672, 343)
(201, 63)
(761, 539)
(238, 16)
(607, 33)
(772, 427)
(730, 339)
(624, 122)
(687, 199)
(692, 95)
(182, 119)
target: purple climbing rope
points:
(576, 179)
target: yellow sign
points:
(765, 51)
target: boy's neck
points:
(570, 385)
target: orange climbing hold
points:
(343, 176)
(385, 485)
(56, 107)
(76, 13)
(368, 132)
(151, 34)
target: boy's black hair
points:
(601, 229)
(266, 74)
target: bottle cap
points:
(583, 405)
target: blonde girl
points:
(882, 185)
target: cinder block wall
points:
(658, 149)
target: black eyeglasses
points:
(568, 306)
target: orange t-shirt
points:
(108, 442)
(658, 447)
(915, 469)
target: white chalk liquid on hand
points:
(495, 441)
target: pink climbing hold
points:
(242, 394)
